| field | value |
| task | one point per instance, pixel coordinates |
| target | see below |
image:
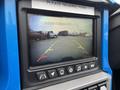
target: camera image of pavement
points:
(61, 47)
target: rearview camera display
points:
(55, 39)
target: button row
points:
(53, 73)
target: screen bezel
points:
(59, 14)
(28, 74)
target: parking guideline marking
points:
(79, 45)
(50, 48)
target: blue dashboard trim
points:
(9, 53)
(105, 32)
(10, 78)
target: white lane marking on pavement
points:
(79, 45)
(50, 48)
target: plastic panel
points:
(105, 30)
(3, 57)
(9, 51)
(9, 66)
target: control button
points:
(93, 88)
(92, 65)
(52, 73)
(42, 75)
(70, 69)
(103, 88)
(85, 66)
(61, 71)
(78, 67)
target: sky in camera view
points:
(57, 24)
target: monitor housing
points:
(38, 74)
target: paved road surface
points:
(51, 50)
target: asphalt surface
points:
(60, 48)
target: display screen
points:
(55, 39)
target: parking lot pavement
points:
(59, 48)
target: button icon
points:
(52, 73)
(41, 75)
(85, 66)
(103, 88)
(61, 71)
(92, 65)
(78, 68)
(70, 69)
